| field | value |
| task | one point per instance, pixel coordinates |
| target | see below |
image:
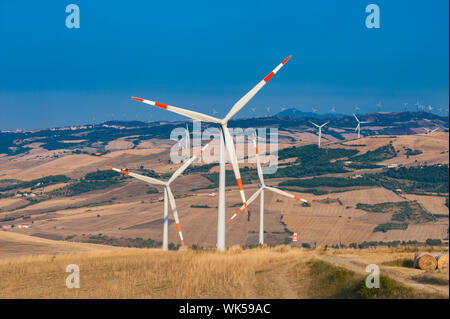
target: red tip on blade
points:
(229, 220)
(182, 243)
(246, 208)
(163, 106)
(239, 183)
(267, 78)
(137, 99)
(108, 167)
(285, 60)
(124, 172)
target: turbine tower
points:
(260, 192)
(167, 194)
(320, 130)
(358, 127)
(225, 134)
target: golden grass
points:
(137, 273)
(279, 272)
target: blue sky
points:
(206, 54)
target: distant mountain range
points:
(297, 114)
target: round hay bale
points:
(425, 261)
(442, 261)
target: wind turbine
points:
(417, 104)
(320, 129)
(167, 194)
(379, 106)
(428, 131)
(260, 192)
(405, 104)
(225, 134)
(187, 142)
(358, 127)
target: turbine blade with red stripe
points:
(258, 163)
(251, 199)
(175, 213)
(279, 191)
(233, 158)
(182, 168)
(191, 114)
(247, 97)
(147, 179)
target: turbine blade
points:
(232, 154)
(182, 168)
(175, 213)
(146, 179)
(251, 199)
(192, 114)
(355, 117)
(314, 124)
(247, 97)
(279, 191)
(325, 124)
(258, 162)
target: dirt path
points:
(390, 272)
(288, 280)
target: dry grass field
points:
(279, 272)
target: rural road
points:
(360, 268)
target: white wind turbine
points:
(167, 194)
(379, 106)
(358, 127)
(417, 104)
(187, 138)
(225, 134)
(260, 192)
(320, 130)
(428, 131)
